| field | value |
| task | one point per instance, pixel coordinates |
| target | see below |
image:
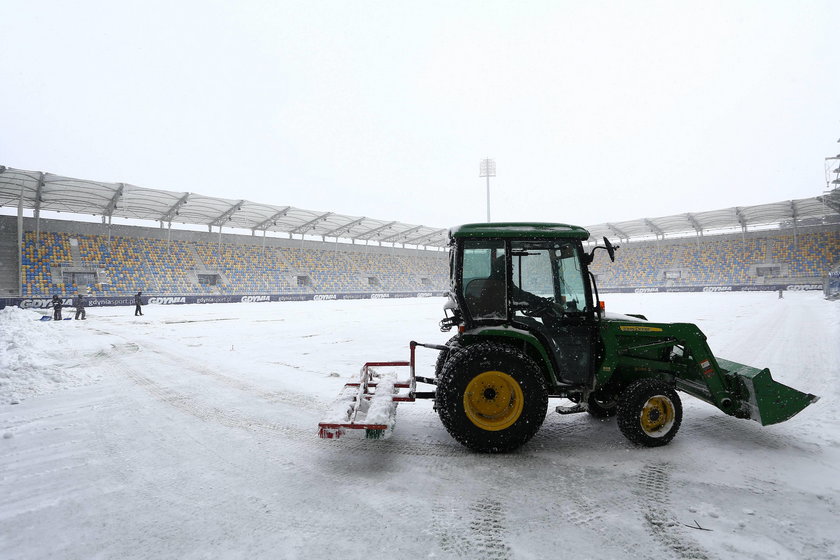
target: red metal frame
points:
(330, 430)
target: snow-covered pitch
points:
(191, 432)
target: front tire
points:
(491, 397)
(649, 412)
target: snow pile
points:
(382, 406)
(35, 357)
(341, 409)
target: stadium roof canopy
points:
(822, 210)
(38, 191)
(47, 192)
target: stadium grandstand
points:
(261, 252)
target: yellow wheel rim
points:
(493, 400)
(657, 416)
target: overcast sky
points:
(593, 111)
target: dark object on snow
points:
(137, 304)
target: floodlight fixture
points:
(487, 169)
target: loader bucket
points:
(762, 399)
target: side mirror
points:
(610, 249)
(608, 246)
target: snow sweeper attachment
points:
(369, 403)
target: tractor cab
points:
(528, 283)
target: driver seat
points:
(485, 297)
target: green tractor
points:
(531, 327)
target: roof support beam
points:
(112, 204)
(174, 209)
(345, 228)
(794, 215)
(618, 232)
(653, 227)
(403, 234)
(369, 234)
(39, 192)
(311, 223)
(426, 237)
(226, 216)
(694, 223)
(272, 221)
(741, 218)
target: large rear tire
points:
(453, 346)
(491, 397)
(649, 412)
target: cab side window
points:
(484, 282)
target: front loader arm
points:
(680, 353)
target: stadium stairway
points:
(75, 254)
(195, 256)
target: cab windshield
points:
(550, 271)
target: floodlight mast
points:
(488, 169)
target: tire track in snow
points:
(207, 413)
(294, 399)
(191, 406)
(654, 488)
(210, 413)
(485, 522)
(150, 479)
(37, 478)
(471, 529)
(479, 527)
(350, 444)
(167, 491)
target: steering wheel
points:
(542, 307)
